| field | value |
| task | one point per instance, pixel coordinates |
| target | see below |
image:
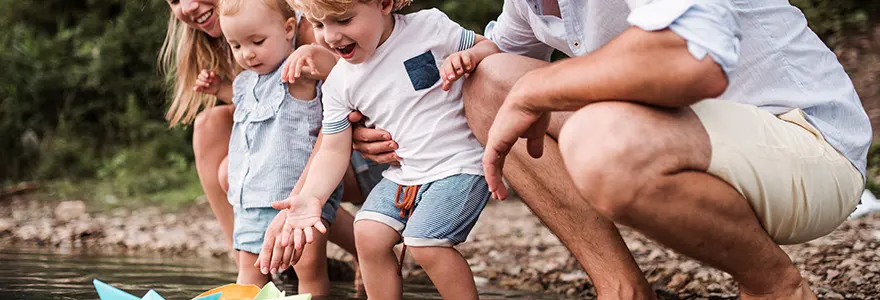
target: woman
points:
(194, 43)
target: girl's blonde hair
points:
(231, 7)
(323, 8)
(185, 52)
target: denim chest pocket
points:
(422, 70)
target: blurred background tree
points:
(82, 102)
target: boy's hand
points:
(207, 83)
(311, 61)
(456, 66)
(303, 214)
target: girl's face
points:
(259, 36)
(197, 14)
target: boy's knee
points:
(425, 256)
(370, 239)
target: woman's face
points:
(197, 14)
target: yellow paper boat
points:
(249, 292)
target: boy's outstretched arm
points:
(274, 257)
(325, 172)
(464, 62)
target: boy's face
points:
(357, 33)
(259, 37)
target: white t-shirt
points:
(399, 90)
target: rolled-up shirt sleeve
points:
(709, 26)
(513, 33)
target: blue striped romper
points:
(273, 135)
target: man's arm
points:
(662, 61)
(513, 33)
(649, 67)
(680, 52)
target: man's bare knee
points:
(485, 89)
(597, 157)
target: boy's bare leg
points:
(211, 132)
(311, 270)
(247, 273)
(375, 242)
(448, 270)
(341, 232)
(644, 167)
(544, 185)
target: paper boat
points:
(107, 292)
(226, 292)
(249, 292)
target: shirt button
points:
(577, 44)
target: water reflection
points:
(33, 273)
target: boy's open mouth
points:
(347, 51)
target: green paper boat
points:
(270, 292)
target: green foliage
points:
(80, 98)
(834, 20)
(472, 14)
(82, 103)
(873, 173)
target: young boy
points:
(395, 69)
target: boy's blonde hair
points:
(231, 7)
(322, 8)
(185, 52)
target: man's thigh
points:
(798, 185)
(486, 88)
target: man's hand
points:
(275, 257)
(514, 120)
(303, 214)
(374, 144)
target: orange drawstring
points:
(406, 208)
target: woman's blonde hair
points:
(323, 8)
(185, 52)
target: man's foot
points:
(801, 292)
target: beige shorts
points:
(799, 186)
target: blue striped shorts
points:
(444, 213)
(249, 224)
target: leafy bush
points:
(81, 97)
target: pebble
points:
(69, 210)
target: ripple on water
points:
(34, 273)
